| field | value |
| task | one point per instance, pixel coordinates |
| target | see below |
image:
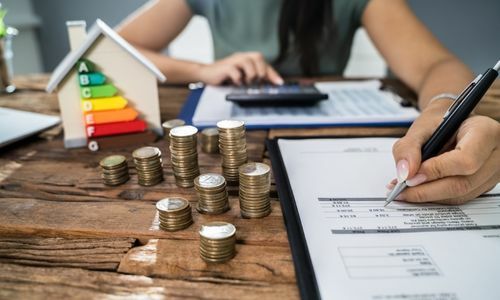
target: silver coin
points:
(146, 152)
(171, 204)
(173, 123)
(210, 132)
(254, 169)
(217, 230)
(230, 124)
(210, 180)
(183, 131)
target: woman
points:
(264, 39)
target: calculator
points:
(288, 94)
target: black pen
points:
(459, 110)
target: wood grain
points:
(25, 282)
(95, 254)
(159, 258)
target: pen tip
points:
(386, 203)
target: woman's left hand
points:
(468, 168)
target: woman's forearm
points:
(177, 71)
(445, 76)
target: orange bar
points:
(110, 116)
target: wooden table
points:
(65, 234)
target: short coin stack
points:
(212, 194)
(175, 214)
(232, 146)
(114, 170)
(255, 184)
(184, 155)
(168, 125)
(148, 164)
(210, 140)
(217, 242)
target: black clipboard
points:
(304, 271)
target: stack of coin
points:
(232, 146)
(175, 214)
(184, 155)
(255, 184)
(210, 140)
(168, 125)
(212, 194)
(217, 242)
(114, 170)
(147, 162)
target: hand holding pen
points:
(469, 169)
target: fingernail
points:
(416, 180)
(280, 81)
(402, 169)
(390, 186)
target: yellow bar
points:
(108, 103)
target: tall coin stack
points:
(255, 184)
(175, 214)
(212, 194)
(114, 170)
(217, 242)
(184, 155)
(148, 164)
(233, 148)
(210, 140)
(168, 125)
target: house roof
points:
(97, 29)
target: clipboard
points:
(189, 108)
(304, 271)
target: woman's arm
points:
(151, 28)
(470, 166)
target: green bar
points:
(84, 66)
(99, 91)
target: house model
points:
(101, 80)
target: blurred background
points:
(469, 28)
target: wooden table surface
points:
(65, 234)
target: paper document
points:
(361, 250)
(358, 102)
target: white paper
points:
(354, 102)
(361, 250)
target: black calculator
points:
(288, 94)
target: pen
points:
(459, 110)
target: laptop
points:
(16, 124)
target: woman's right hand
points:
(239, 68)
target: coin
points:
(114, 170)
(174, 213)
(210, 140)
(217, 242)
(232, 146)
(255, 185)
(184, 155)
(168, 125)
(212, 193)
(148, 163)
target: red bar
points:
(116, 128)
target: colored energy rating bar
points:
(95, 78)
(100, 91)
(84, 66)
(110, 103)
(110, 116)
(116, 128)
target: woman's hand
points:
(239, 68)
(468, 168)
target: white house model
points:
(134, 75)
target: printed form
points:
(354, 102)
(361, 250)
